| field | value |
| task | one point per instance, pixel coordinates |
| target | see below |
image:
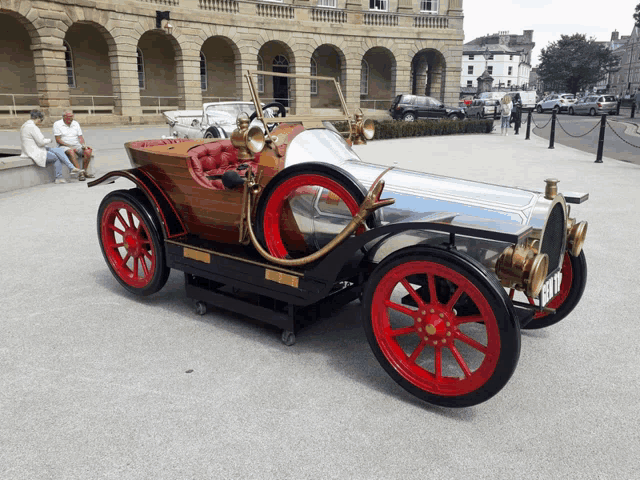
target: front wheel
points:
(571, 112)
(539, 109)
(556, 109)
(212, 133)
(592, 112)
(440, 327)
(574, 281)
(131, 242)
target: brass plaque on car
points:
(283, 278)
(203, 257)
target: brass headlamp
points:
(247, 140)
(576, 233)
(518, 266)
(361, 130)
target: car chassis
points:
(432, 281)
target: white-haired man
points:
(69, 136)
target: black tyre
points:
(539, 109)
(131, 242)
(409, 117)
(275, 223)
(556, 109)
(574, 281)
(212, 133)
(440, 326)
(592, 112)
(571, 112)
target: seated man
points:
(69, 136)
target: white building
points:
(509, 61)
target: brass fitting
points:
(576, 234)
(361, 130)
(247, 140)
(551, 190)
(519, 267)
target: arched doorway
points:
(281, 84)
(428, 74)
(157, 72)
(326, 61)
(377, 78)
(218, 70)
(276, 56)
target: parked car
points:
(215, 120)
(276, 226)
(527, 98)
(558, 102)
(417, 107)
(594, 104)
(482, 108)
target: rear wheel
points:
(212, 133)
(539, 109)
(409, 117)
(131, 242)
(592, 112)
(440, 327)
(571, 112)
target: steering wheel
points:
(282, 112)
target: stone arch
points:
(164, 71)
(280, 89)
(381, 81)
(433, 64)
(330, 61)
(94, 54)
(18, 86)
(224, 68)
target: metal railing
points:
(220, 99)
(148, 108)
(93, 109)
(375, 104)
(14, 108)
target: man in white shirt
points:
(69, 136)
(34, 146)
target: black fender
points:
(165, 210)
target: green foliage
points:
(575, 63)
(387, 129)
(636, 16)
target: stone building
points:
(626, 81)
(119, 61)
(509, 63)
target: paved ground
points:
(94, 381)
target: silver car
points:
(594, 104)
(557, 102)
(481, 108)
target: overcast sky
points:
(548, 19)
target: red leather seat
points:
(215, 158)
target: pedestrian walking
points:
(505, 109)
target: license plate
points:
(550, 288)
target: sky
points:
(548, 19)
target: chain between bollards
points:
(603, 123)
(633, 110)
(528, 137)
(552, 137)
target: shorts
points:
(79, 150)
(505, 121)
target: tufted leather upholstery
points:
(215, 158)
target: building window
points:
(470, 70)
(508, 83)
(260, 77)
(364, 78)
(490, 70)
(141, 81)
(471, 57)
(491, 57)
(430, 6)
(382, 5)
(469, 83)
(510, 70)
(327, 3)
(510, 57)
(314, 72)
(203, 72)
(68, 59)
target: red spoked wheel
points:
(131, 242)
(574, 281)
(299, 200)
(441, 328)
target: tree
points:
(575, 63)
(636, 16)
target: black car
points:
(413, 107)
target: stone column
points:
(403, 78)
(51, 79)
(124, 76)
(301, 90)
(351, 84)
(188, 77)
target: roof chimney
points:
(615, 35)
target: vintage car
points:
(277, 226)
(215, 120)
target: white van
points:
(527, 98)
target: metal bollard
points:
(633, 110)
(528, 137)
(552, 137)
(618, 107)
(603, 124)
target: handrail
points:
(92, 109)
(159, 101)
(13, 109)
(383, 102)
